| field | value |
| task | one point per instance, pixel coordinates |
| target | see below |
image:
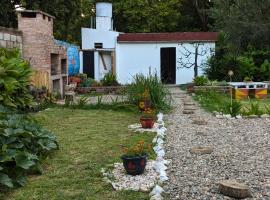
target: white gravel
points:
(241, 151)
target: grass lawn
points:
(89, 140)
(215, 101)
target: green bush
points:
(233, 108)
(254, 109)
(200, 80)
(23, 144)
(109, 80)
(88, 82)
(159, 95)
(14, 80)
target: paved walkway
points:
(241, 151)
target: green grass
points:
(89, 140)
(215, 101)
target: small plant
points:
(267, 109)
(99, 100)
(254, 109)
(200, 80)
(82, 101)
(139, 149)
(110, 80)
(148, 113)
(247, 79)
(233, 108)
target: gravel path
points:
(241, 151)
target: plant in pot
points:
(148, 118)
(144, 102)
(135, 158)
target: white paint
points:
(104, 16)
(134, 58)
(103, 9)
(81, 61)
(92, 36)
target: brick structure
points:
(39, 47)
(10, 38)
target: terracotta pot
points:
(147, 123)
(134, 165)
(144, 104)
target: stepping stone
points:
(190, 108)
(189, 104)
(234, 189)
(201, 150)
(188, 112)
(201, 133)
(199, 122)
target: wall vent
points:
(98, 45)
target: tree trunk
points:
(196, 62)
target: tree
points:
(190, 56)
(245, 22)
(146, 15)
(7, 13)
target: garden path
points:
(238, 149)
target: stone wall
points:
(10, 38)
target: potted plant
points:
(145, 101)
(148, 118)
(135, 158)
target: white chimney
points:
(104, 16)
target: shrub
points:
(109, 80)
(23, 144)
(159, 95)
(200, 80)
(88, 82)
(233, 108)
(14, 80)
(254, 108)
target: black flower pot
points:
(134, 165)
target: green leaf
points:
(5, 180)
(23, 161)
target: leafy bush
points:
(14, 79)
(200, 80)
(109, 80)
(23, 144)
(254, 109)
(88, 82)
(233, 108)
(159, 95)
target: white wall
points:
(92, 36)
(134, 58)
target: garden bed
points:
(101, 89)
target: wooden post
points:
(113, 63)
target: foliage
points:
(82, 101)
(7, 13)
(139, 149)
(159, 95)
(109, 80)
(14, 79)
(23, 144)
(146, 16)
(200, 80)
(149, 113)
(233, 108)
(88, 82)
(242, 23)
(253, 109)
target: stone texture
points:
(13, 38)
(3, 43)
(241, 151)
(1, 36)
(199, 122)
(188, 112)
(234, 189)
(201, 150)
(6, 36)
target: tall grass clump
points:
(159, 95)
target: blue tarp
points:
(73, 58)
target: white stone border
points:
(160, 164)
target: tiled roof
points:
(168, 37)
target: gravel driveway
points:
(241, 151)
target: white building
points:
(170, 55)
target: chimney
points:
(104, 16)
